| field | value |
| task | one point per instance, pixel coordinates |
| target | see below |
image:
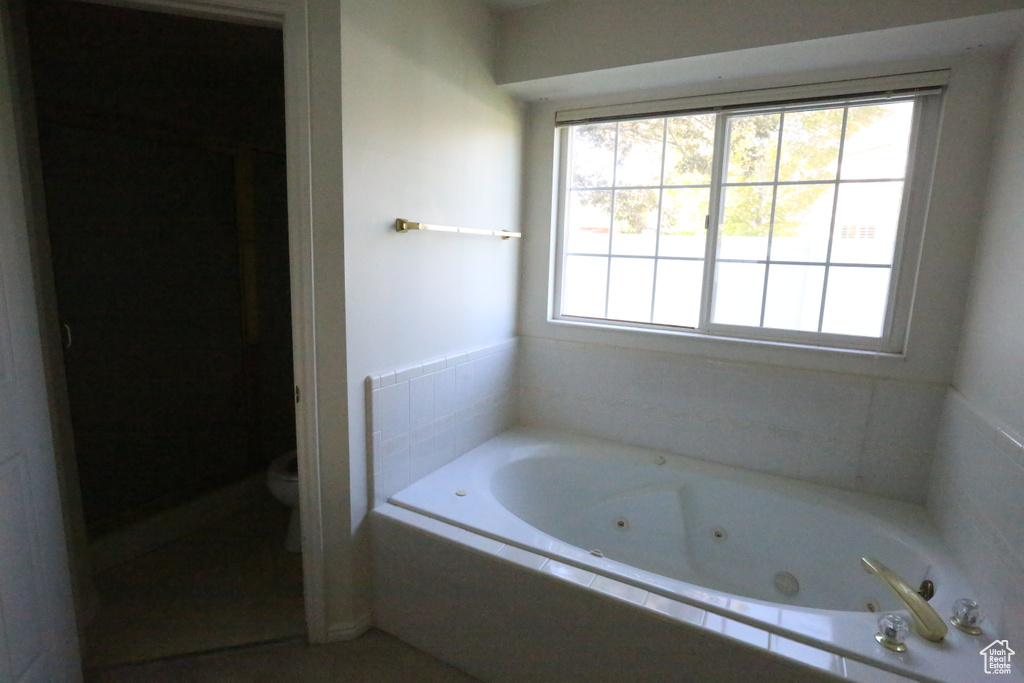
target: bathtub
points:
(776, 557)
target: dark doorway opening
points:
(163, 155)
(162, 142)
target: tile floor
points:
(229, 584)
(376, 657)
(225, 604)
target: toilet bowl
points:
(283, 482)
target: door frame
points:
(41, 624)
(291, 16)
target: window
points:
(786, 222)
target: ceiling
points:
(919, 47)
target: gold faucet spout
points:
(927, 621)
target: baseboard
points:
(147, 535)
(351, 630)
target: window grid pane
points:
(630, 288)
(677, 293)
(589, 222)
(586, 286)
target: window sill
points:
(730, 349)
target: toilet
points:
(283, 482)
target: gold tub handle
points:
(927, 621)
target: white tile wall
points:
(426, 415)
(854, 432)
(850, 431)
(977, 501)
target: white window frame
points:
(925, 89)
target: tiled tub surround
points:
(849, 431)
(977, 501)
(837, 640)
(423, 416)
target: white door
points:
(38, 641)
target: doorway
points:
(162, 146)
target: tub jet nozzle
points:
(787, 584)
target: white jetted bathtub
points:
(763, 551)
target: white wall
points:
(573, 36)
(978, 480)
(428, 137)
(990, 369)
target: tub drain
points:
(787, 584)
(622, 523)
